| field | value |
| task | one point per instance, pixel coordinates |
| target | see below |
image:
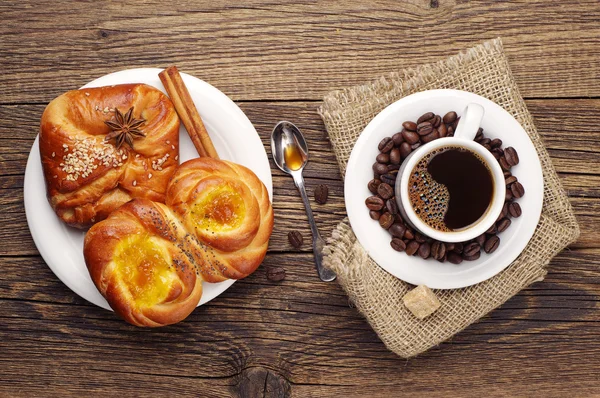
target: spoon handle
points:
(325, 274)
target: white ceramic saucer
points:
(234, 138)
(497, 123)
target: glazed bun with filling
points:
(148, 259)
(101, 147)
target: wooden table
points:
(297, 337)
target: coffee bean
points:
(321, 194)
(424, 250)
(384, 143)
(450, 131)
(393, 168)
(471, 249)
(455, 258)
(478, 136)
(405, 149)
(398, 244)
(392, 207)
(379, 168)
(509, 180)
(488, 147)
(473, 257)
(410, 136)
(437, 120)
(424, 128)
(438, 250)
(383, 158)
(397, 230)
(275, 274)
(455, 123)
(480, 239)
(485, 141)
(434, 135)
(442, 130)
(443, 259)
(374, 203)
(412, 247)
(385, 190)
(496, 143)
(415, 146)
(398, 139)
(373, 184)
(514, 209)
(374, 215)
(504, 212)
(503, 224)
(492, 229)
(508, 195)
(409, 234)
(419, 237)
(496, 155)
(458, 248)
(491, 244)
(517, 190)
(388, 179)
(499, 151)
(295, 239)
(386, 220)
(412, 126)
(449, 246)
(395, 156)
(425, 117)
(449, 117)
(511, 156)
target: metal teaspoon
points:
(290, 153)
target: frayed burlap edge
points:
(483, 70)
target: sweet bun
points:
(86, 177)
(215, 225)
(226, 207)
(137, 260)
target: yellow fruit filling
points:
(144, 267)
(220, 209)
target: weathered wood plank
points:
(300, 330)
(292, 51)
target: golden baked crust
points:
(86, 178)
(226, 207)
(216, 225)
(136, 260)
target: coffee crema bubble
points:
(450, 188)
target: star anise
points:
(124, 128)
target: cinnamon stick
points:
(187, 111)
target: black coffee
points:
(450, 188)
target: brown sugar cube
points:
(421, 301)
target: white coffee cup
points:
(463, 138)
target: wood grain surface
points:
(298, 337)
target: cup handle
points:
(469, 122)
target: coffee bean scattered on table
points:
(275, 274)
(383, 208)
(321, 193)
(295, 239)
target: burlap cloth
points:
(483, 70)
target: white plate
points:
(233, 136)
(497, 123)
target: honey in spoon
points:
(293, 157)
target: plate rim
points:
(440, 283)
(29, 199)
